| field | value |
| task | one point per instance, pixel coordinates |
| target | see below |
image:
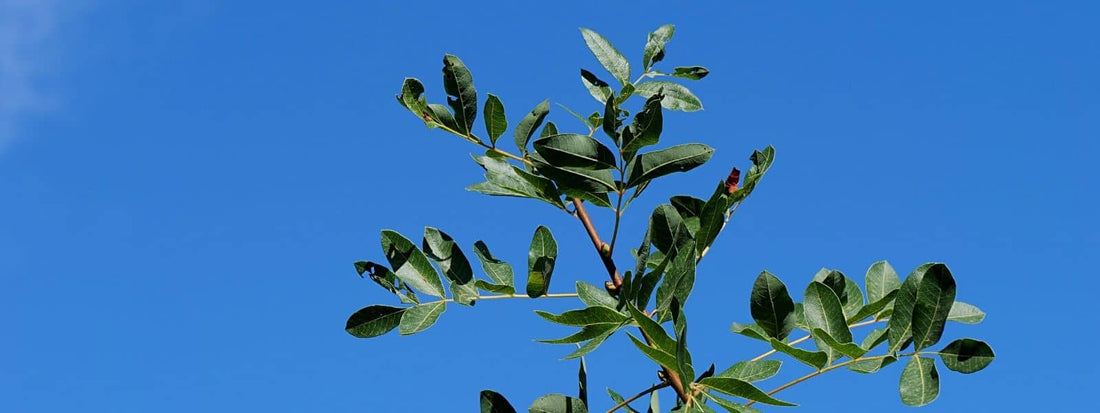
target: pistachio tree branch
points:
(602, 248)
(651, 389)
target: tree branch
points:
(604, 252)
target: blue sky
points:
(188, 183)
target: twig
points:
(651, 389)
(608, 263)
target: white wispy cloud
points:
(27, 32)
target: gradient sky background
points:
(186, 185)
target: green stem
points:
(824, 370)
(807, 337)
(503, 296)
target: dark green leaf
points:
(679, 158)
(822, 310)
(461, 95)
(441, 116)
(611, 120)
(441, 248)
(495, 121)
(667, 229)
(853, 298)
(495, 288)
(529, 124)
(691, 72)
(732, 407)
(874, 338)
(900, 326)
(873, 308)
(965, 313)
(751, 371)
(852, 350)
(386, 278)
(920, 383)
(410, 265)
(665, 359)
(582, 380)
(677, 97)
(712, 217)
(574, 150)
(493, 402)
(771, 305)
(498, 271)
(646, 128)
(836, 281)
(966, 355)
(654, 331)
(679, 280)
(421, 316)
(373, 321)
(741, 388)
(549, 130)
(540, 261)
(599, 199)
(608, 56)
(596, 87)
(574, 178)
(558, 403)
(585, 316)
(935, 296)
(412, 98)
(655, 46)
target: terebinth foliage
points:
(608, 163)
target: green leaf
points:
(965, 313)
(585, 316)
(853, 298)
(732, 407)
(493, 402)
(574, 178)
(900, 326)
(679, 158)
(663, 358)
(599, 199)
(712, 218)
(852, 350)
(459, 85)
(679, 281)
(872, 365)
(574, 150)
(529, 124)
(373, 321)
(836, 281)
(591, 345)
(657, 334)
(494, 288)
(592, 295)
(966, 355)
(751, 371)
(495, 120)
(558, 403)
(822, 310)
(596, 87)
(611, 120)
(920, 383)
(749, 330)
(935, 296)
(586, 333)
(676, 96)
(410, 265)
(608, 56)
(440, 115)
(654, 403)
(582, 383)
(881, 279)
(741, 388)
(667, 229)
(873, 308)
(386, 278)
(618, 399)
(549, 130)
(441, 248)
(503, 179)
(540, 261)
(874, 338)
(761, 162)
(771, 305)
(498, 271)
(691, 72)
(412, 98)
(655, 46)
(815, 359)
(420, 317)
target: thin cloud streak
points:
(27, 29)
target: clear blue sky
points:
(186, 186)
